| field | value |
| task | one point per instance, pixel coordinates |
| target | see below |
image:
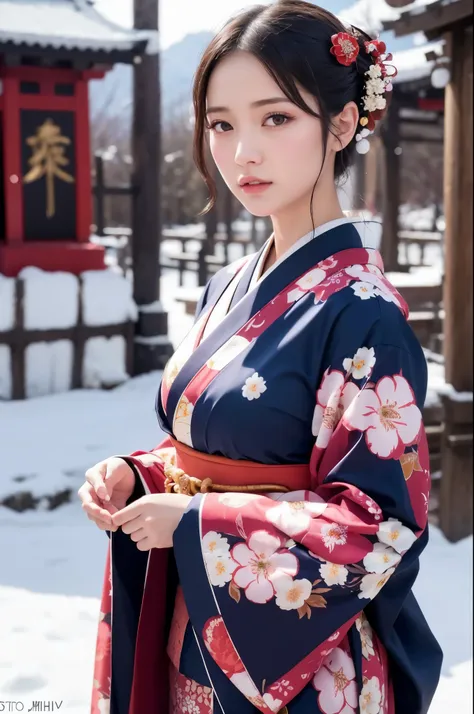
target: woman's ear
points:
(345, 126)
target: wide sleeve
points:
(273, 583)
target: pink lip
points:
(255, 188)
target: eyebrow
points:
(258, 103)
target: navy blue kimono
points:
(297, 602)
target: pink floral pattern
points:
(388, 415)
(332, 400)
(262, 562)
(336, 684)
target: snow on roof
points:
(412, 64)
(371, 14)
(69, 24)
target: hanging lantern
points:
(440, 76)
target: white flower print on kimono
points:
(364, 290)
(381, 559)
(336, 684)
(219, 564)
(254, 387)
(372, 278)
(237, 500)
(370, 699)
(307, 282)
(399, 537)
(292, 594)
(293, 517)
(388, 415)
(366, 637)
(182, 421)
(333, 534)
(104, 706)
(372, 584)
(361, 365)
(332, 399)
(333, 573)
(260, 565)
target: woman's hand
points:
(152, 520)
(109, 484)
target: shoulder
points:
(369, 317)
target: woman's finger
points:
(144, 544)
(138, 535)
(96, 478)
(96, 512)
(132, 526)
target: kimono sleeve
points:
(273, 583)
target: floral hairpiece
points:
(378, 80)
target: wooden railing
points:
(19, 338)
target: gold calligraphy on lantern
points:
(48, 146)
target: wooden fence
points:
(19, 338)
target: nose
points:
(246, 153)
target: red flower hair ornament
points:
(345, 48)
(377, 80)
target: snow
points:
(5, 372)
(52, 578)
(371, 14)
(107, 298)
(7, 305)
(412, 64)
(51, 299)
(48, 368)
(104, 362)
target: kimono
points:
(293, 415)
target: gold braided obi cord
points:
(189, 472)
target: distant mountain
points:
(178, 64)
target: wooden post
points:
(359, 181)
(99, 194)
(228, 206)
(152, 345)
(458, 187)
(456, 508)
(17, 350)
(79, 344)
(207, 245)
(390, 132)
(455, 500)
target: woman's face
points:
(256, 131)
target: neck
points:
(295, 221)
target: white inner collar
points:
(257, 274)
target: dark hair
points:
(292, 39)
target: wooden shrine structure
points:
(49, 51)
(451, 21)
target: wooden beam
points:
(458, 186)
(437, 18)
(390, 134)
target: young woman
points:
(263, 556)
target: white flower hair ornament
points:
(378, 80)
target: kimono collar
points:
(323, 228)
(302, 258)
